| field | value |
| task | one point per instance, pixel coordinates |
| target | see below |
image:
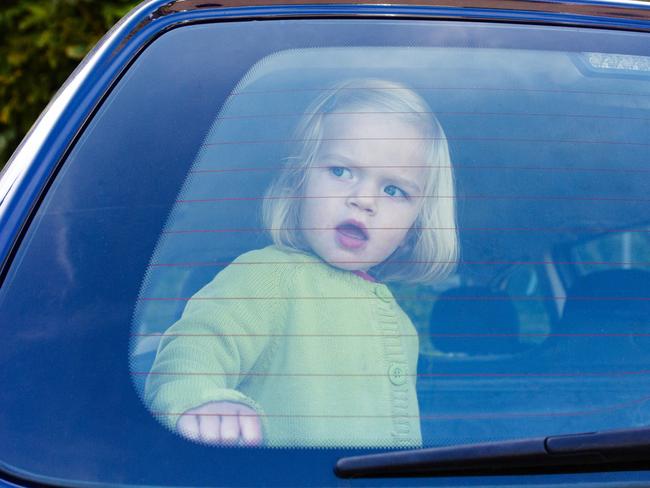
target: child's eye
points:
(395, 191)
(340, 172)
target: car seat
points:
(474, 321)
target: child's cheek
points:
(326, 186)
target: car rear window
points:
(335, 235)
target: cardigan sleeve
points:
(227, 328)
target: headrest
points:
(616, 300)
(475, 320)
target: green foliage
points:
(41, 42)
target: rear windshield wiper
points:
(596, 451)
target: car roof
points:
(639, 10)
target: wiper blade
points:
(595, 451)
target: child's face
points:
(371, 193)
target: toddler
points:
(301, 343)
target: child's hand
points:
(222, 423)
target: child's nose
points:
(364, 202)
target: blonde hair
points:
(431, 245)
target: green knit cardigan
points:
(325, 357)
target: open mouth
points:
(351, 234)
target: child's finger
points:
(230, 427)
(250, 427)
(188, 426)
(210, 428)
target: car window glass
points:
(151, 285)
(502, 316)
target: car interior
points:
(543, 324)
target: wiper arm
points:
(597, 451)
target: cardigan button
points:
(397, 374)
(383, 294)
